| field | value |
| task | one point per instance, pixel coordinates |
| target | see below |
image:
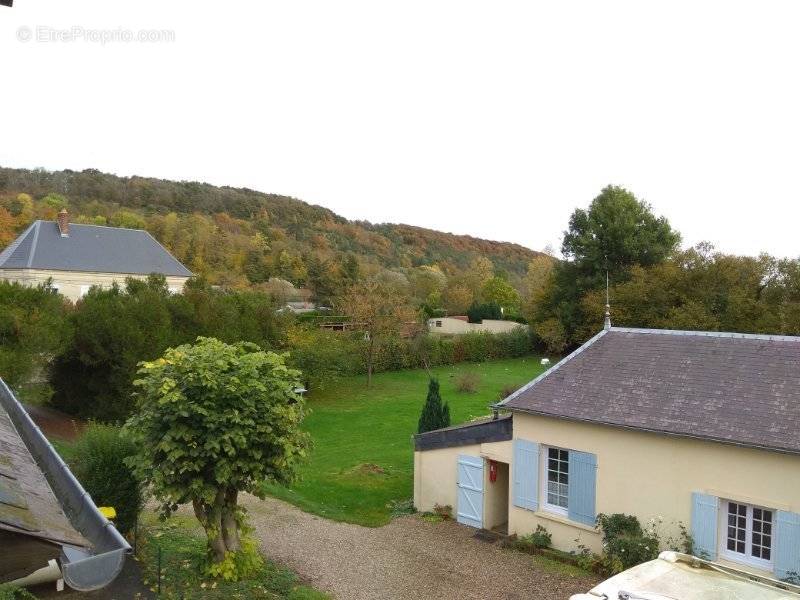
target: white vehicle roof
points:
(676, 576)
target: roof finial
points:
(607, 322)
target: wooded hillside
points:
(241, 237)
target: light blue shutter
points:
(526, 474)
(582, 487)
(787, 545)
(704, 525)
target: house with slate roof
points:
(698, 428)
(76, 257)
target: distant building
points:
(459, 325)
(76, 257)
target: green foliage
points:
(213, 420)
(33, 327)
(116, 328)
(625, 543)
(435, 414)
(488, 310)
(10, 592)
(322, 355)
(99, 459)
(540, 538)
(185, 563)
(240, 565)
(615, 233)
(499, 291)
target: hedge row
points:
(324, 356)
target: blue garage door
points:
(470, 491)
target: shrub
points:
(435, 415)
(507, 390)
(32, 329)
(98, 460)
(478, 312)
(468, 382)
(10, 592)
(625, 543)
(537, 540)
(445, 511)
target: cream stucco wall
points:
(451, 326)
(436, 475)
(73, 284)
(650, 475)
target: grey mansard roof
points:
(726, 387)
(90, 248)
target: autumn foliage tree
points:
(214, 420)
(377, 309)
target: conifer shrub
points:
(435, 414)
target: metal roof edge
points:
(661, 432)
(160, 245)
(37, 225)
(719, 334)
(108, 544)
(552, 369)
(6, 252)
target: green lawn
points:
(362, 460)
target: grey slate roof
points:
(478, 431)
(90, 248)
(27, 503)
(733, 388)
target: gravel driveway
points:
(409, 558)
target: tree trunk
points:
(230, 527)
(210, 518)
(369, 359)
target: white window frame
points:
(543, 469)
(746, 558)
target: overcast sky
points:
(494, 119)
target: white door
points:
(470, 491)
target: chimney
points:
(63, 222)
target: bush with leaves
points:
(468, 382)
(33, 328)
(214, 420)
(99, 459)
(10, 592)
(435, 414)
(116, 328)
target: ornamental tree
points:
(435, 415)
(214, 420)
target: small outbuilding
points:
(695, 428)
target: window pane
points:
(737, 528)
(557, 477)
(761, 540)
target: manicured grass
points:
(362, 461)
(183, 556)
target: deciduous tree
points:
(379, 311)
(214, 420)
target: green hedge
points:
(98, 461)
(324, 356)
